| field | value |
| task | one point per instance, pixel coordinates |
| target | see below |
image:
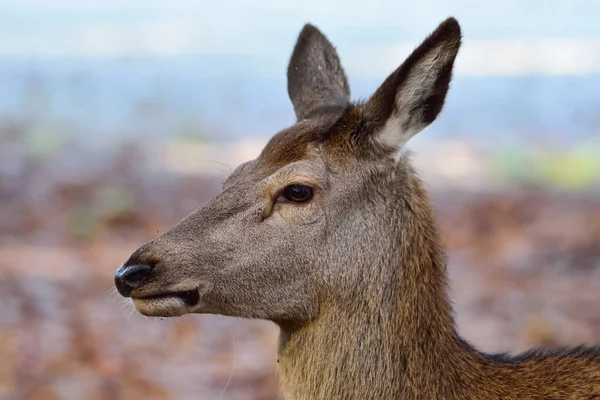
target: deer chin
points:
(172, 304)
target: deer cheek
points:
(296, 214)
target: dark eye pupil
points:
(298, 193)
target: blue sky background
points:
(152, 69)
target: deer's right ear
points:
(316, 80)
(412, 96)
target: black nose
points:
(128, 277)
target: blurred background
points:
(117, 119)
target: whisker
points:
(227, 169)
(113, 293)
(234, 361)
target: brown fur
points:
(356, 278)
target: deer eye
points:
(297, 193)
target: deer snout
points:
(131, 276)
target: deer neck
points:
(395, 339)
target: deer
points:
(330, 234)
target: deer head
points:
(316, 219)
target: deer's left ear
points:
(412, 96)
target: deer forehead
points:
(288, 146)
(301, 141)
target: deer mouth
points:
(173, 303)
(189, 297)
(170, 304)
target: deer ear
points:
(412, 96)
(316, 80)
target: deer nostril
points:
(129, 277)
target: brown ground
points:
(524, 264)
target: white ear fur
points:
(420, 84)
(394, 135)
(413, 95)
